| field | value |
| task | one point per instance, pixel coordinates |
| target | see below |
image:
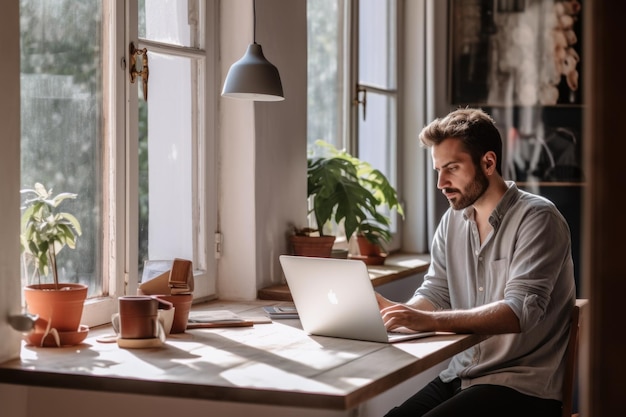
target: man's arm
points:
(419, 314)
(417, 302)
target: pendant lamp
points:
(253, 77)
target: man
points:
(501, 265)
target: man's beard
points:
(472, 192)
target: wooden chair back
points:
(571, 356)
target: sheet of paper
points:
(214, 316)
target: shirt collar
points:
(507, 200)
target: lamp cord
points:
(254, 21)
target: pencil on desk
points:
(213, 325)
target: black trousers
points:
(439, 399)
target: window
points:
(172, 179)
(142, 169)
(353, 77)
(62, 109)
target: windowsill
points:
(396, 266)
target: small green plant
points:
(45, 230)
(345, 189)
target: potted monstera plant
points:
(45, 231)
(349, 192)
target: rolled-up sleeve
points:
(540, 250)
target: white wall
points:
(9, 177)
(14, 400)
(262, 148)
(281, 136)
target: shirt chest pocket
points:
(495, 280)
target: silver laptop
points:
(335, 297)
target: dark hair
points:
(473, 127)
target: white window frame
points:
(120, 275)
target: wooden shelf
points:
(396, 266)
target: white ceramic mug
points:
(166, 317)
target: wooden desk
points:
(272, 364)
(397, 266)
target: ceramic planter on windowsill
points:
(315, 246)
(346, 191)
(44, 232)
(369, 252)
(59, 309)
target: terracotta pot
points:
(314, 246)
(367, 248)
(62, 307)
(369, 252)
(182, 305)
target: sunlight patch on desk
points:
(214, 356)
(290, 345)
(65, 360)
(356, 382)
(266, 376)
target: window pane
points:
(377, 136)
(174, 22)
(61, 113)
(377, 43)
(165, 161)
(325, 82)
(377, 129)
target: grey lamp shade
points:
(253, 78)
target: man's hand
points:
(397, 316)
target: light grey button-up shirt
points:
(525, 261)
